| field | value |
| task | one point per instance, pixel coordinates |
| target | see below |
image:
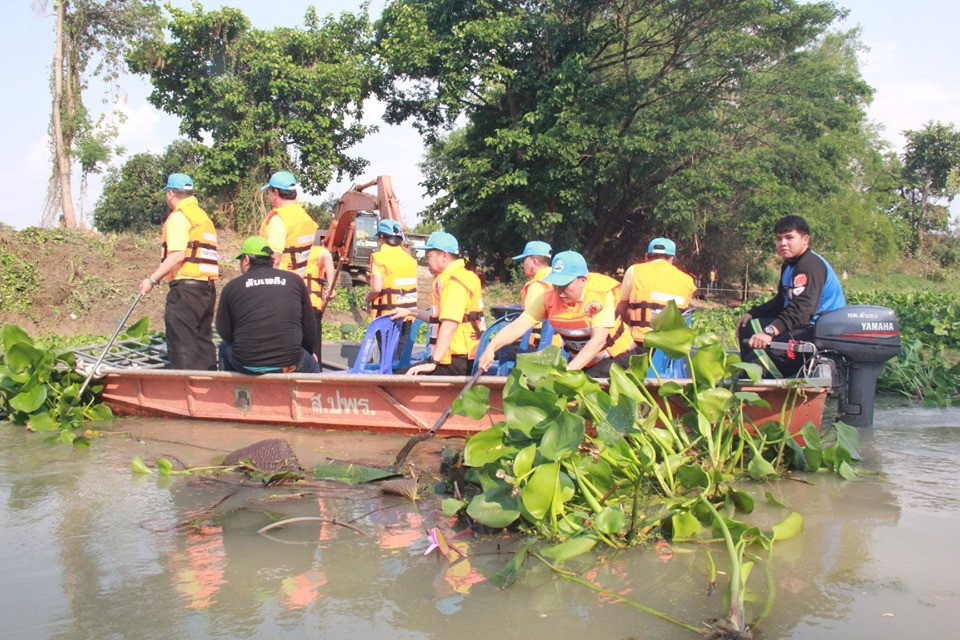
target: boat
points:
(135, 384)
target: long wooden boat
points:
(370, 402)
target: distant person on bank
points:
(189, 263)
(265, 317)
(808, 287)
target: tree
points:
(931, 156)
(263, 100)
(599, 124)
(87, 32)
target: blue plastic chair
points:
(488, 335)
(407, 356)
(389, 331)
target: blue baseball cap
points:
(566, 267)
(442, 241)
(535, 248)
(281, 180)
(179, 181)
(662, 246)
(389, 228)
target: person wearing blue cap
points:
(581, 306)
(649, 285)
(190, 263)
(536, 265)
(288, 229)
(393, 277)
(456, 313)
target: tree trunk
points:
(921, 237)
(62, 150)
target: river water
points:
(88, 550)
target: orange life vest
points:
(399, 287)
(314, 275)
(656, 283)
(202, 260)
(571, 322)
(300, 231)
(471, 325)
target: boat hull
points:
(378, 403)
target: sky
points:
(910, 61)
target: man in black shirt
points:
(265, 317)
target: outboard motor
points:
(864, 337)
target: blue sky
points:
(910, 62)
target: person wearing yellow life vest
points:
(456, 313)
(190, 263)
(535, 262)
(288, 229)
(648, 286)
(393, 278)
(581, 307)
(318, 276)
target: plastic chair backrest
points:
(389, 331)
(546, 337)
(491, 331)
(406, 357)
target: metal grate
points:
(130, 353)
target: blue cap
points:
(663, 246)
(442, 241)
(281, 180)
(567, 266)
(535, 248)
(179, 181)
(390, 228)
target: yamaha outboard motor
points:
(864, 337)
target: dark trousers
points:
(317, 351)
(602, 368)
(228, 362)
(788, 367)
(459, 366)
(188, 320)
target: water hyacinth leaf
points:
(138, 329)
(772, 500)
(692, 475)
(31, 400)
(563, 436)
(620, 384)
(708, 364)
(751, 398)
(525, 409)
(611, 520)
(713, 403)
(452, 506)
(572, 382)
(523, 463)
(507, 576)
(788, 527)
(11, 334)
(40, 422)
(494, 508)
(752, 369)
(639, 365)
(541, 364)
(810, 435)
(670, 333)
(486, 447)
(760, 468)
(685, 526)
(99, 412)
(350, 473)
(164, 466)
(848, 439)
(137, 465)
(474, 403)
(540, 490)
(742, 500)
(570, 549)
(670, 388)
(21, 356)
(846, 471)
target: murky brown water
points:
(87, 550)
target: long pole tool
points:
(83, 387)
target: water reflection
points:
(86, 550)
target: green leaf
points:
(670, 388)
(99, 412)
(692, 475)
(849, 439)
(569, 549)
(760, 468)
(811, 437)
(713, 403)
(772, 500)
(611, 520)
(685, 526)
(753, 370)
(486, 447)
(30, 401)
(11, 335)
(742, 500)
(523, 463)
(847, 472)
(164, 466)
(708, 364)
(21, 356)
(524, 409)
(40, 422)
(670, 333)
(540, 490)
(788, 527)
(621, 384)
(138, 329)
(541, 364)
(563, 436)
(138, 466)
(751, 398)
(474, 403)
(452, 506)
(494, 508)
(350, 473)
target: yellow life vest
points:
(656, 283)
(202, 260)
(399, 287)
(314, 275)
(471, 325)
(300, 231)
(571, 322)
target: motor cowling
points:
(864, 337)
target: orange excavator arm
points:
(340, 235)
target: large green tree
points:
(262, 101)
(598, 124)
